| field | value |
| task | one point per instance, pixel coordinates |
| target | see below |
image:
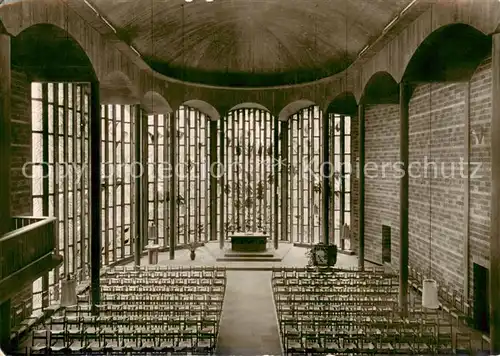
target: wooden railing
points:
(30, 239)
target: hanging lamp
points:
(429, 288)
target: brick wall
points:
(436, 202)
(480, 152)
(381, 180)
(21, 200)
(436, 135)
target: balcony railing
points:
(30, 239)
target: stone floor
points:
(292, 256)
(249, 324)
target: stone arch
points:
(203, 107)
(117, 88)
(381, 88)
(154, 103)
(293, 108)
(450, 53)
(249, 105)
(344, 103)
(49, 53)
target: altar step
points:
(249, 254)
(249, 257)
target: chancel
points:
(241, 177)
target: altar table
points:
(249, 241)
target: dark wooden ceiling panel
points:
(281, 40)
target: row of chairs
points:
(164, 289)
(109, 341)
(155, 271)
(167, 281)
(348, 321)
(341, 282)
(337, 290)
(139, 316)
(292, 271)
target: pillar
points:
(222, 182)
(145, 180)
(342, 181)
(95, 194)
(361, 187)
(276, 164)
(326, 171)
(138, 187)
(213, 180)
(173, 184)
(5, 96)
(284, 179)
(404, 98)
(495, 202)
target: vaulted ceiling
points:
(249, 42)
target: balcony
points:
(26, 253)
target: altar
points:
(249, 241)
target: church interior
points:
(249, 177)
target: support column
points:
(326, 171)
(495, 202)
(361, 187)
(173, 183)
(5, 213)
(466, 190)
(404, 98)
(45, 180)
(276, 167)
(95, 194)
(145, 180)
(342, 182)
(213, 180)
(222, 181)
(284, 179)
(139, 172)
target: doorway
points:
(481, 298)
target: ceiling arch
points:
(249, 106)
(117, 88)
(154, 103)
(49, 53)
(203, 107)
(293, 108)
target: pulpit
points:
(249, 241)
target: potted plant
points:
(321, 255)
(192, 248)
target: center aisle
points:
(248, 324)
